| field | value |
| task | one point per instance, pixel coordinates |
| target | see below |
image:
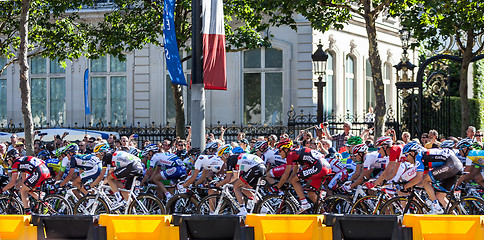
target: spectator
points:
(166, 146)
(124, 143)
(424, 139)
(272, 140)
(283, 137)
(3, 163)
(370, 116)
(111, 139)
(406, 137)
(326, 144)
(432, 143)
(117, 144)
(146, 142)
(90, 145)
(83, 147)
(478, 137)
(13, 140)
(471, 131)
(339, 138)
(244, 144)
(19, 145)
(240, 136)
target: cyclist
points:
(274, 163)
(243, 170)
(472, 159)
(211, 148)
(120, 166)
(442, 166)
(314, 168)
(373, 163)
(337, 167)
(204, 163)
(163, 166)
(37, 173)
(90, 164)
(386, 148)
(190, 158)
(353, 166)
(411, 151)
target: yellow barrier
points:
(16, 227)
(138, 227)
(280, 227)
(441, 227)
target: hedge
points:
(476, 107)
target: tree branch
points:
(344, 6)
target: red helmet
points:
(385, 140)
(284, 144)
(360, 148)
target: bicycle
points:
(100, 202)
(185, 203)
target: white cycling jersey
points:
(122, 159)
(165, 160)
(373, 160)
(273, 157)
(209, 162)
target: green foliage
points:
(479, 79)
(476, 113)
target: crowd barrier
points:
(254, 226)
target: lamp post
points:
(319, 58)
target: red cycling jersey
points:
(396, 154)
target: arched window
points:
(329, 90)
(349, 85)
(370, 89)
(262, 86)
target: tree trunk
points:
(375, 62)
(24, 77)
(180, 110)
(466, 59)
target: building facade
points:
(263, 84)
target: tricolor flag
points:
(214, 73)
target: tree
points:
(439, 22)
(324, 14)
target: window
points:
(48, 91)
(3, 93)
(262, 86)
(329, 90)
(387, 76)
(350, 87)
(108, 90)
(186, 93)
(370, 89)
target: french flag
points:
(214, 73)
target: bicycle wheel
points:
(54, 204)
(334, 204)
(275, 204)
(10, 206)
(468, 206)
(146, 205)
(182, 203)
(365, 205)
(210, 204)
(396, 206)
(88, 205)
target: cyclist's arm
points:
(192, 178)
(154, 173)
(68, 178)
(99, 178)
(235, 176)
(226, 180)
(285, 175)
(365, 174)
(464, 177)
(203, 177)
(11, 183)
(147, 176)
(358, 172)
(387, 172)
(416, 180)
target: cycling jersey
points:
(306, 157)
(84, 161)
(445, 166)
(396, 154)
(374, 160)
(122, 159)
(208, 162)
(242, 162)
(273, 157)
(165, 160)
(476, 157)
(35, 167)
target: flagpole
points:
(198, 91)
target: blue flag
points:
(86, 92)
(171, 48)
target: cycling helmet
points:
(43, 155)
(261, 146)
(12, 153)
(238, 150)
(227, 148)
(447, 144)
(284, 144)
(149, 148)
(355, 140)
(59, 151)
(134, 151)
(101, 147)
(411, 146)
(464, 143)
(72, 148)
(385, 140)
(360, 148)
(476, 146)
(194, 152)
(212, 145)
(182, 154)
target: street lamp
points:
(405, 65)
(320, 57)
